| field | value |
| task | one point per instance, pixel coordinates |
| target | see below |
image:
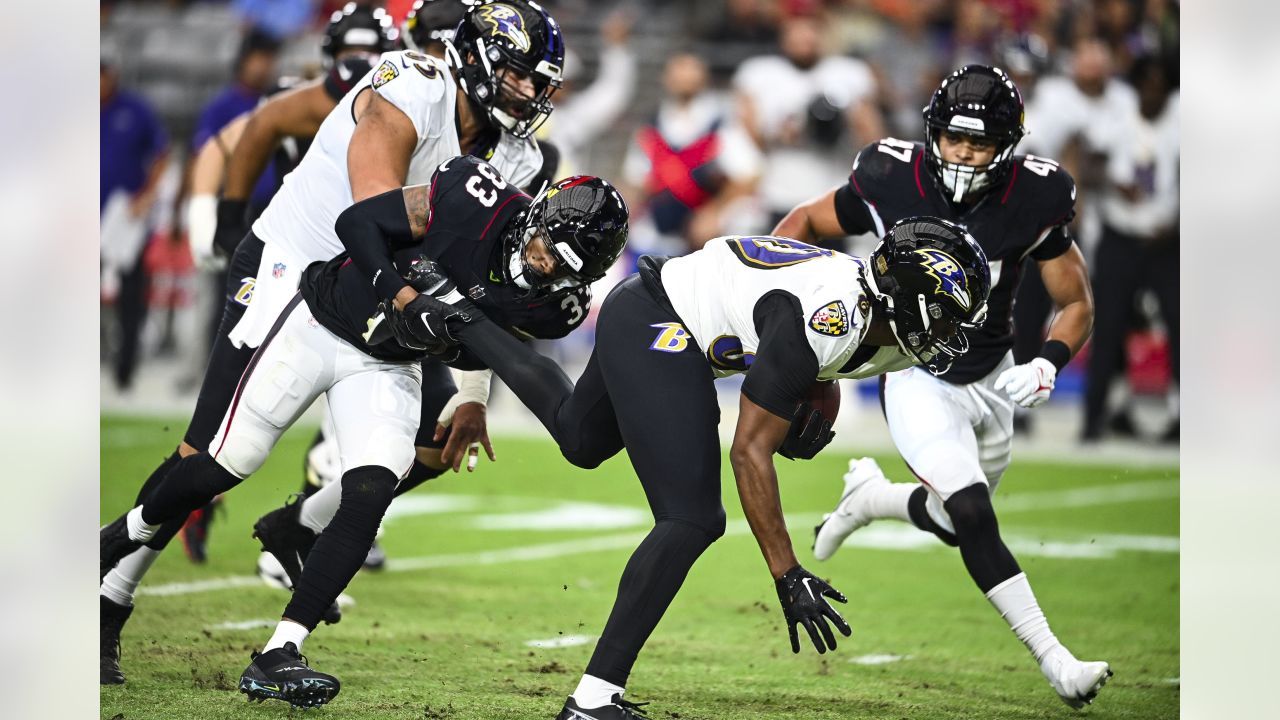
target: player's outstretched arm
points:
(803, 596)
(294, 113)
(812, 220)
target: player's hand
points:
(1028, 384)
(469, 431)
(803, 597)
(808, 434)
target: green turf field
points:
(531, 549)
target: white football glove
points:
(1028, 384)
(202, 220)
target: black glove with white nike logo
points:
(803, 597)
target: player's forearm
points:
(757, 482)
(537, 380)
(1073, 324)
(249, 157)
(796, 225)
(368, 230)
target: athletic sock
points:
(318, 509)
(889, 501)
(593, 692)
(139, 531)
(121, 582)
(287, 631)
(1016, 603)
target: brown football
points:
(824, 396)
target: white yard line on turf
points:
(1086, 497)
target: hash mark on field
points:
(559, 642)
(878, 659)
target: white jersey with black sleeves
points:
(715, 291)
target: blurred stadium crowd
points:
(713, 117)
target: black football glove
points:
(803, 598)
(423, 324)
(808, 434)
(231, 227)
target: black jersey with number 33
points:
(470, 206)
(1023, 215)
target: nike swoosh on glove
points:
(803, 597)
(1028, 384)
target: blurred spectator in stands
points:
(253, 74)
(134, 151)
(806, 110)
(738, 21)
(280, 19)
(690, 169)
(581, 115)
(1139, 246)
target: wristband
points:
(1056, 352)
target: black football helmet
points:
(975, 100)
(930, 279)
(497, 37)
(583, 221)
(358, 26)
(432, 22)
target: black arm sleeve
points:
(852, 212)
(370, 230)
(785, 365)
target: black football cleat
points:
(282, 674)
(617, 709)
(289, 541)
(111, 620)
(114, 545)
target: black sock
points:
(170, 528)
(340, 550)
(920, 516)
(418, 474)
(192, 483)
(985, 556)
(649, 583)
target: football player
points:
(953, 422)
(399, 122)
(518, 260)
(781, 311)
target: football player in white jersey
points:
(403, 119)
(785, 313)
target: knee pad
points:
(971, 512)
(366, 493)
(583, 458)
(711, 523)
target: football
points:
(824, 396)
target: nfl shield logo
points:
(277, 270)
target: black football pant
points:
(1124, 265)
(661, 406)
(226, 365)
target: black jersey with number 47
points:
(470, 206)
(1023, 215)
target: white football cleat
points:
(1076, 682)
(851, 513)
(272, 572)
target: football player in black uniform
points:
(784, 313)
(283, 124)
(954, 425)
(518, 259)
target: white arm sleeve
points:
(202, 220)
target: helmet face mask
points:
(930, 279)
(580, 222)
(500, 46)
(977, 101)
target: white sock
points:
(119, 584)
(320, 508)
(593, 692)
(139, 531)
(889, 501)
(287, 631)
(1017, 605)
